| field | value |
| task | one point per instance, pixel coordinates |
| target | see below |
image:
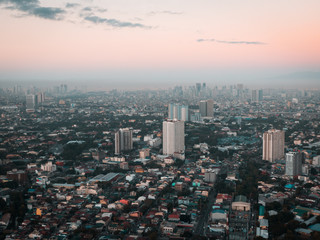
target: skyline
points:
(150, 41)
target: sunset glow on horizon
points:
(134, 35)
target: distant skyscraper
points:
(173, 137)
(31, 102)
(273, 145)
(254, 96)
(184, 113)
(123, 140)
(260, 95)
(210, 108)
(293, 164)
(198, 88)
(240, 86)
(179, 112)
(203, 108)
(17, 89)
(206, 108)
(204, 86)
(195, 117)
(40, 98)
(172, 111)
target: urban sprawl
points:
(194, 162)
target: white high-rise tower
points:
(273, 145)
(173, 137)
(123, 140)
(293, 164)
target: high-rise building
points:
(172, 111)
(260, 95)
(31, 102)
(273, 145)
(203, 108)
(210, 108)
(293, 164)
(173, 137)
(179, 112)
(204, 86)
(195, 117)
(254, 96)
(206, 108)
(40, 97)
(198, 88)
(123, 140)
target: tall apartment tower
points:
(206, 108)
(198, 88)
(179, 112)
(31, 102)
(123, 140)
(273, 145)
(173, 137)
(254, 96)
(257, 95)
(293, 164)
(260, 95)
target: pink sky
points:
(139, 34)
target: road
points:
(204, 215)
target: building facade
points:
(293, 164)
(273, 145)
(31, 102)
(179, 112)
(173, 137)
(123, 140)
(206, 108)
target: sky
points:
(154, 42)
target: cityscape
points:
(189, 162)
(159, 120)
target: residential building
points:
(123, 140)
(31, 102)
(206, 108)
(173, 136)
(179, 112)
(273, 145)
(293, 164)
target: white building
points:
(273, 145)
(206, 108)
(210, 175)
(293, 164)
(240, 204)
(179, 112)
(31, 103)
(123, 140)
(173, 137)
(316, 161)
(49, 167)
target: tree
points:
(3, 204)
(313, 171)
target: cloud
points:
(47, 12)
(230, 42)
(72, 5)
(114, 22)
(165, 12)
(102, 10)
(33, 8)
(87, 9)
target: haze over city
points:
(159, 119)
(150, 44)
